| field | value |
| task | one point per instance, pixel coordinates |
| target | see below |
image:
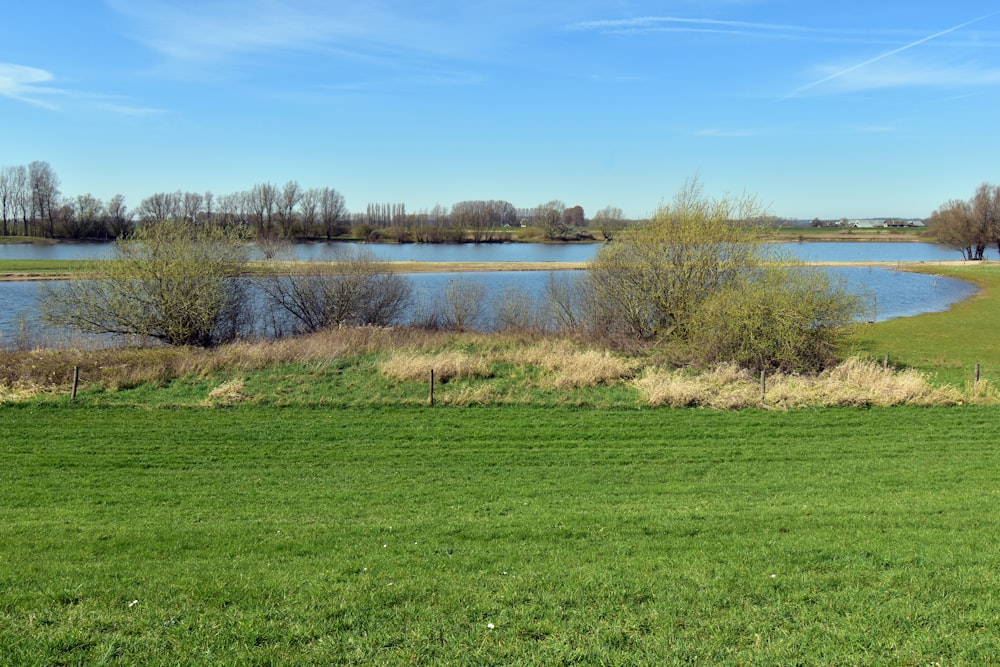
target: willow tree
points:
(697, 278)
(173, 281)
(969, 226)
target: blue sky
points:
(845, 109)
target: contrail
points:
(887, 54)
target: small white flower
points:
(133, 603)
(773, 576)
(490, 626)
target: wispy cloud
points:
(903, 73)
(27, 84)
(213, 29)
(212, 32)
(869, 74)
(726, 134)
(34, 86)
(682, 24)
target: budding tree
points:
(696, 278)
(172, 281)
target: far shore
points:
(27, 270)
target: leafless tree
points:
(192, 205)
(332, 212)
(83, 217)
(549, 216)
(263, 198)
(309, 211)
(45, 203)
(969, 226)
(290, 197)
(352, 289)
(119, 220)
(610, 220)
(160, 207)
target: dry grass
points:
(228, 393)
(409, 354)
(468, 396)
(447, 365)
(121, 368)
(19, 392)
(572, 367)
(852, 383)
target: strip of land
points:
(68, 269)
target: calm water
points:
(861, 251)
(891, 294)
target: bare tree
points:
(21, 195)
(44, 186)
(464, 302)
(7, 195)
(309, 211)
(84, 217)
(332, 212)
(969, 226)
(609, 220)
(290, 197)
(119, 220)
(191, 205)
(952, 225)
(160, 207)
(262, 200)
(352, 289)
(549, 216)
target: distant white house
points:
(879, 223)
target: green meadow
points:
(321, 512)
(499, 536)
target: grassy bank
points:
(948, 345)
(297, 502)
(498, 536)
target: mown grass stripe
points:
(396, 535)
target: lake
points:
(892, 294)
(847, 251)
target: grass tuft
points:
(228, 393)
(447, 365)
(855, 382)
(574, 368)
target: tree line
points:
(31, 204)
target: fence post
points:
(976, 384)
(885, 362)
(763, 386)
(76, 381)
(432, 389)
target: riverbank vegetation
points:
(694, 282)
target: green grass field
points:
(498, 536)
(331, 518)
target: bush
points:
(696, 277)
(172, 281)
(352, 289)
